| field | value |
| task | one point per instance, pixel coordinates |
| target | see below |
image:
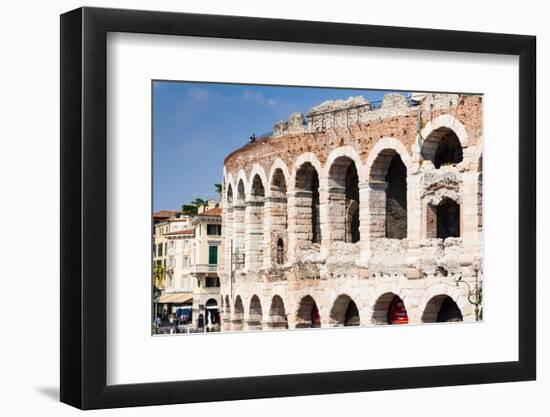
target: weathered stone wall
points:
(400, 123)
(285, 267)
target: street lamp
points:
(475, 295)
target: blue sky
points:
(195, 125)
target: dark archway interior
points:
(240, 192)
(278, 184)
(315, 317)
(448, 219)
(280, 251)
(449, 311)
(396, 199)
(397, 313)
(277, 313)
(307, 179)
(448, 151)
(239, 308)
(352, 204)
(257, 187)
(255, 312)
(308, 313)
(229, 195)
(352, 315)
(315, 209)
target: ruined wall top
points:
(358, 110)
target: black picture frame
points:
(84, 207)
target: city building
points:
(172, 250)
(357, 214)
(204, 268)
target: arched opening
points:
(212, 316)
(480, 194)
(352, 222)
(228, 229)
(344, 200)
(307, 197)
(227, 304)
(308, 314)
(280, 251)
(257, 187)
(279, 217)
(254, 321)
(229, 196)
(238, 314)
(447, 219)
(449, 311)
(352, 204)
(277, 314)
(344, 312)
(255, 224)
(240, 192)
(388, 196)
(239, 228)
(390, 309)
(443, 219)
(442, 147)
(396, 199)
(441, 308)
(352, 315)
(226, 313)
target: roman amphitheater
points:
(356, 214)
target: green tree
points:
(218, 189)
(158, 273)
(189, 209)
(199, 202)
(192, 208)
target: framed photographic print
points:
(258, 207)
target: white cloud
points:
(258, 98)
(199, 94)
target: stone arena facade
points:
(342, 213)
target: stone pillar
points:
(330, 199)
(414, 221)
(372, 215)
(238, 231)
(292, 224)
(254, 224)
(292, 321)
(226, 319)
(364, 216)
(299, 220)
(275, 227)
(277, 322)
(227, 231)
(237, 323)
(470, 212)
(253, 321)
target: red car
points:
(398, 313)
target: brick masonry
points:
(271, 185)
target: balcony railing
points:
(203, 268)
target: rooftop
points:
(164, 214)
(181, 232)
(213, 212)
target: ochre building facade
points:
(356, 214)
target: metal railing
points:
(203, 268)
